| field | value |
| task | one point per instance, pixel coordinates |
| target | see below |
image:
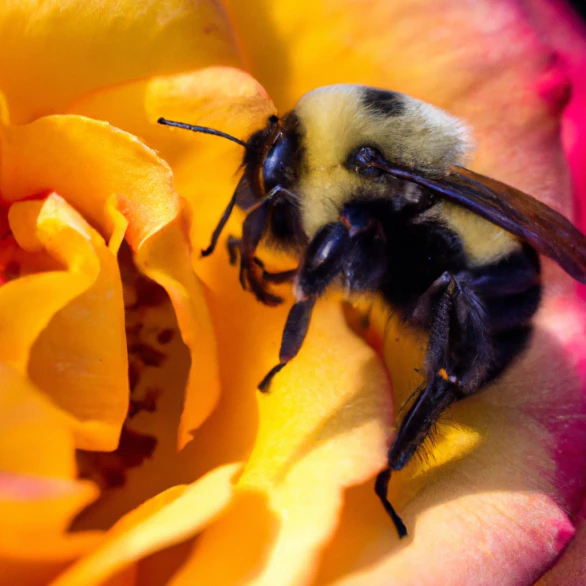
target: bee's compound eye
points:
(363, 162)
(278, 166)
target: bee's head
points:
(318, 155)
(273, 155)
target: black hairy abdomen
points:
(507, 291)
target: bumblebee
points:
(365, 187)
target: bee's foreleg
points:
(321, 264)
(281, 277)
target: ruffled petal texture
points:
(147, 208)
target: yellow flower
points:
(122, 347)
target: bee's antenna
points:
(202, 129)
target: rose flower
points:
(135, 449)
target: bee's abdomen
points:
(510, 291)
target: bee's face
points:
(319, 149)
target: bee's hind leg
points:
(458, 359)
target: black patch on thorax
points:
(383, 102)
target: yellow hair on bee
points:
(483, 241)
(335, 120)
(411, 133)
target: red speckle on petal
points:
(133, 375)
(165, 336)
(147, 403)
(147, 354)
(108, 470)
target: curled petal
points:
(169, 518)
(127, 43)
(73, 345)
(61, 153)
(185, 291)
(570, 569)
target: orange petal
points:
(146, 461)
(87, 161)
(322, 428)
(28, 418)
(100, 45)
(167, 519)
(38, 496)
(185, 291)
(73, 344)
(76, 148)
(36, 511)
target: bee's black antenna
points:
(203, 129)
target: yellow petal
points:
(165, 520)
(322, 428)
(60, 50)
(73, 345)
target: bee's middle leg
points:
(233, 245)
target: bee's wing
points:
(529, 219)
